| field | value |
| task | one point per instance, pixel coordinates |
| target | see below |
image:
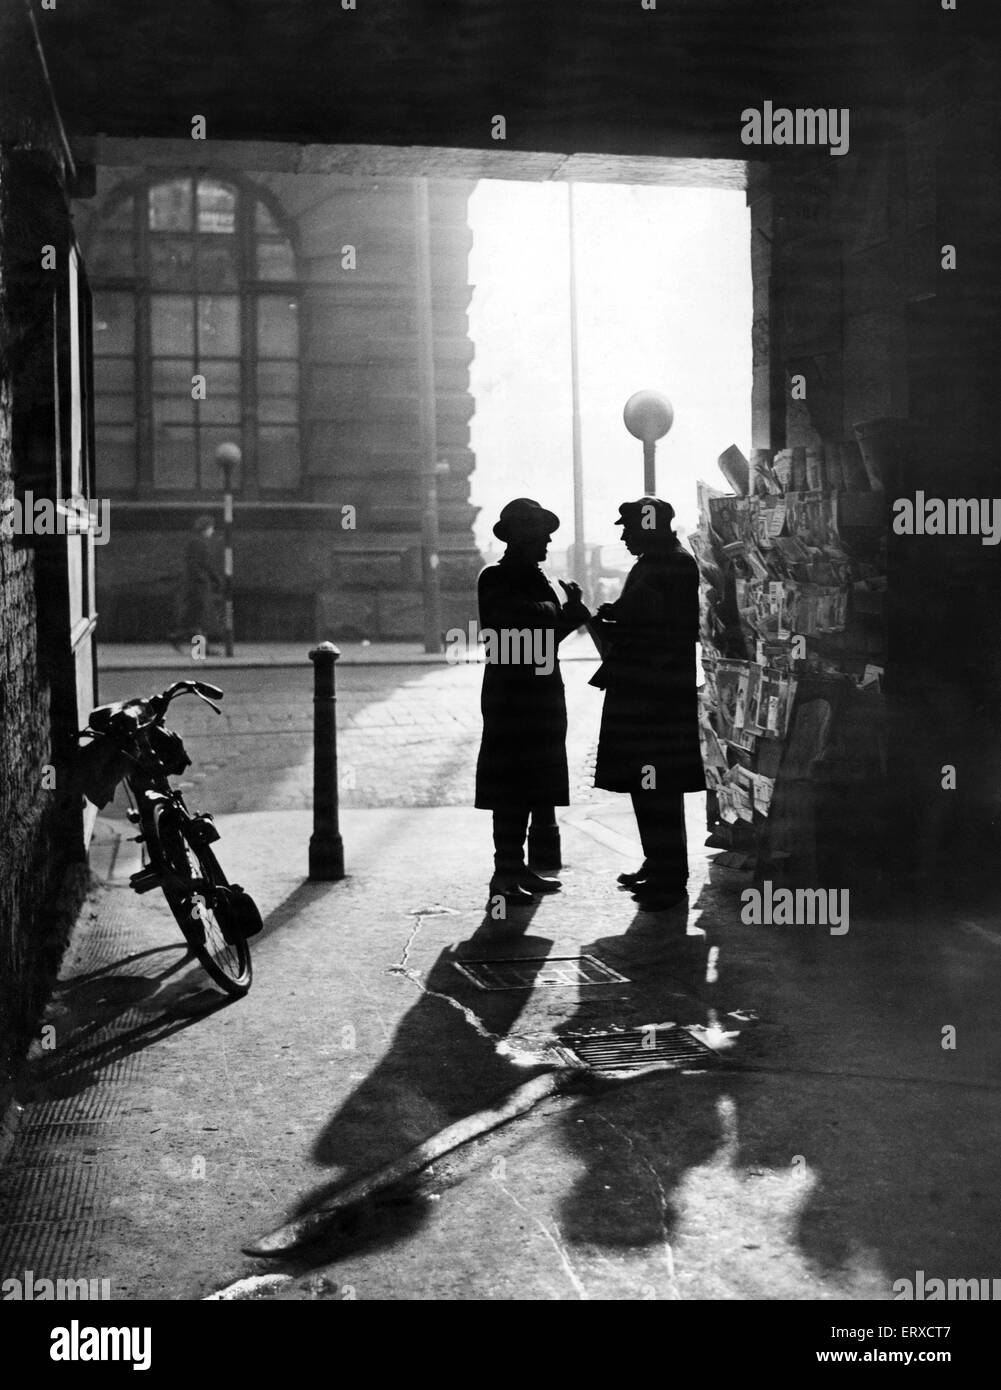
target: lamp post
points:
(648, 416)
(228, 457)
(578, 570)
(427, 424)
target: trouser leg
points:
(660, 817)
(510, 829)
(640, 810)
(544, 849)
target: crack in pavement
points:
(555, 1241)
(402, 968)
(467, 1013)
(401, 965)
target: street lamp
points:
(648, 416)
(228, 457)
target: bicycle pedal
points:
(132, 817)
(144, 880)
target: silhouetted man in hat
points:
(521, 771)
(649, 740)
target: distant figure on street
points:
(200, 585)
(648, 745)
(521, 773)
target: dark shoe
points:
(652, 896)
(544, 849)
(507, 886)
(632, 880)
(535, 883)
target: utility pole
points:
(428, 436)
(579, 568)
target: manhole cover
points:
(529, 972)
(637, 1047)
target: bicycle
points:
(131, 744)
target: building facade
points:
(278, 312)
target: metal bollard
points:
(326, 848)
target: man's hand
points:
(574, 609)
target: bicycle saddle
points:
(102, 718)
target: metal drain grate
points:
(529, 972)
(638, 1047)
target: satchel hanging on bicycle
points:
(130, 744)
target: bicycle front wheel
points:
(191, 878)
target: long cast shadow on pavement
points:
(443, 1064)
(117, 1010)
(838, 1148)
(89, 1009)
(857, 1132)
(111, 1013)
(448, 1060)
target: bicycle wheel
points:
(191, 876)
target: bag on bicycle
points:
(98, 768)
(237, 913)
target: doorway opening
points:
(663, 301)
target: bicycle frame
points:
(215, 916)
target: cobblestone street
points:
(407, 735)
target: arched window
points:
(193, 278)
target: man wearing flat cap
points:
(521, 772)
(649, 740)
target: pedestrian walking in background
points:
(200, 587)
(648, 744)
(521, 772)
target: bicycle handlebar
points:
(200, 688)
(135, 711)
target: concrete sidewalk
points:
(834, 1148)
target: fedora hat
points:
(525, 516)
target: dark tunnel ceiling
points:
(567, 74)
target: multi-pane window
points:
(196, 339)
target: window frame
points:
(249, 289)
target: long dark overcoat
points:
(523, 757)
(198, 608)
(650, 715)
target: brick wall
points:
(38, 887)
